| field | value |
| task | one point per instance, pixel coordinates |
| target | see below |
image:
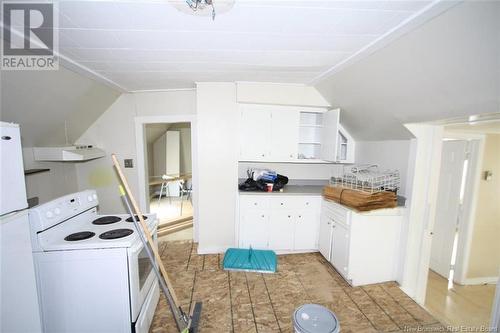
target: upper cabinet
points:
(271, 133)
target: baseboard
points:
(212, 250)
(480, 280)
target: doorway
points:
(167, 177)
(453, 295)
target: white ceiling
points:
(148, 45)
(444, 69)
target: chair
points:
(164, 187)
(186, 187)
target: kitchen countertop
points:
(291, 190)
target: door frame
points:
(475, 149)
(425, 158)
(140, 133)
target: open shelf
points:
(34, 171)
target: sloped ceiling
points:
(446, 68)
(52, 107)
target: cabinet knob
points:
(329, 223)
(307, 203)
(263, 155)
(255, 204)
(281, 204)
(291, 155)
(333, 226)
(300, 216)
(262, 215)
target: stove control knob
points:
(89, 198)
(57, 211)
(49, 214)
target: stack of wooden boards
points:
(360, 200)
(171, 226)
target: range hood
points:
(67, 153)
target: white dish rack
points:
(367, 178)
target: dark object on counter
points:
(251, 185)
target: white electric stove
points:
(93, 272)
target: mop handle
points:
(163, 271)
(153, 262)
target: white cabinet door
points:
(254, 229)
(281, 230)
(329, 135)
(306, 231)
(345, 146)
(325, 235)
(340, 248)
(284, 135)
(255, 133)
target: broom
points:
(185, 323)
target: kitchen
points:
(230, 134)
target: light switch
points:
(128, 162)
(488, 175)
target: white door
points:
(340, 248)
(173, 160)
(284, 135)
(254, 229)
(255, 133)
(447, 205)
(281, 230)
(329, 135)
(325, 236)
(306, 231)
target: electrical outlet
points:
(128, 162)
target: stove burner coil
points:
(77, 236)
(106, 220)
(136, 218)
(116, 233)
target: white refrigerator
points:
(19, 306)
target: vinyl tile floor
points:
(254, 302)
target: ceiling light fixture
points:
(203, 7)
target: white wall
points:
(387, 155)
(43, 101)
(59, 181)
(186, 154)
(217, 165)
(114, 131)
(160, 156)
(282, 94)
(310, 171)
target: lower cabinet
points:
(254, 225)
(279, 222)
(363, 247)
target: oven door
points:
(141, 275)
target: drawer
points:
(336, 211)
(254, 202)
(294, 203)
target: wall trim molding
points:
(480, 280)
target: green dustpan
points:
(249, 260)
